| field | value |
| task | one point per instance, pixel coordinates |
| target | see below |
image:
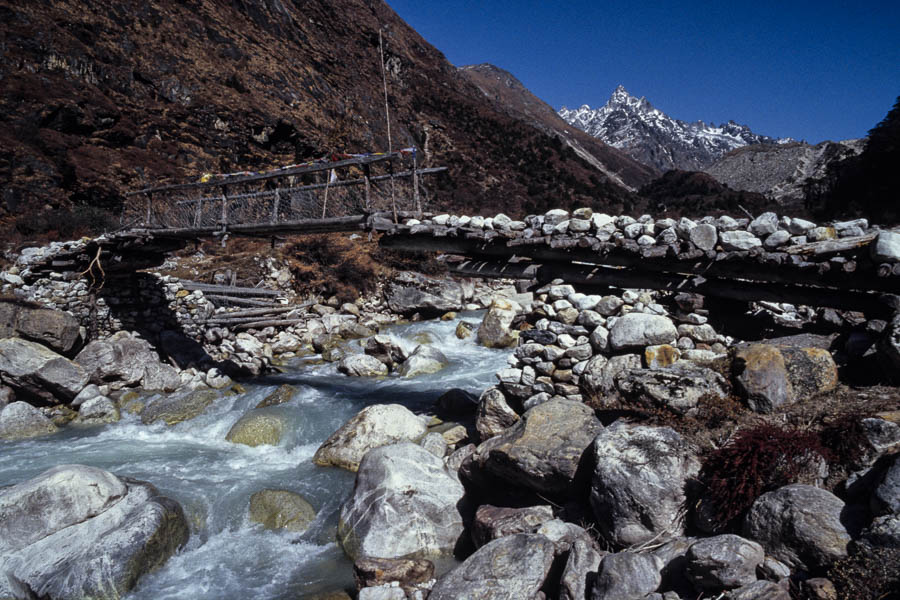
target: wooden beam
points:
(611, 255)
(871, 304)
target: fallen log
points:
(273, 323)
(826, 247)
(238, 301)
(230, 290)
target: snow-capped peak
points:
(649, 135)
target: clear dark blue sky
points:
(808, 70)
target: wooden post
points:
(198, 215)
(223, 221)
(275, 209)
(415, 177)
(393, 200)
(149, 202)
(366, 177)
(325, 201)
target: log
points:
(826, 247)
(334, 224)
(256, 312)
(230, 290)
(593, 275)
(726, 265)
(216, 298)
(273, 323)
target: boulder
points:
(598, 380)
(423, 360)
(362, 365)
(492, 522)
(401, 479)
(80, 532)
(52, 328)
(386, 349)
(99, 410)
(627, 576)
(283, 393)
(495, 331)
(411, 292)
(764, 224)
(20, 420)
(494, 414)
(174, 409)
(886, 247)
(638, 486)
(281, 509)
(509, 567)
(761, 590)
(543, 451)
(408, 572)
(768, 376)
(637, 330)
(580, 571)
(723, 562)
(435, 443)
(123, 360)
(37, 371)
(678, 388)
(704, 236)
(374, 426)
(257, 428)
(738, 240)
(886, 497)
(800, 525)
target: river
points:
(227, 555)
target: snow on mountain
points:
(650, 136)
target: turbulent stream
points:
(228, 556)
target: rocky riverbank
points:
(633, 447)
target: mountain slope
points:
(510, 96)
(650, 136)
(780, 171)
(96, 97)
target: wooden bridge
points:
(383, 192)
(338, 193)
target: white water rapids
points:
(228, 556)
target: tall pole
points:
(387, 116)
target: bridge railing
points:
(339, 186)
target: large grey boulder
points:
(678, 388)
(800, 525)
(373, 426)
(99, 410)
(362, 365)
(509, 568)
(38, 371)
(404, 504)
(494, 331)
(55, 329)
(281, 509)
(20, 420)
(411, 292)
(723, 562)
(424, 360)
(769, 376)
(638, 330)
(78, 532)
(580, 571)
(761, 590)
(638, 486)
(739, 240)
(627, 576)
(124, 359)
(257, 428)
(598, 380)
(542, 451)
(494, 414)
(386, 349)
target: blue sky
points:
(808, 70)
